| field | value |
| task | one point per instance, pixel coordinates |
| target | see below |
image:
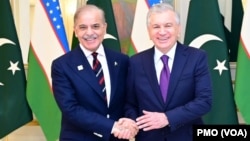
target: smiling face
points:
(90, 27)
(163, 29)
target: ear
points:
(74, 29)
(179, 31)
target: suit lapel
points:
(81, 67)
(113, 65)
(149, 68)
(178, 66)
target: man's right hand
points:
(125, 128)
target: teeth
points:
(89, 39)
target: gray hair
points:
(162, 7)
(89, 7)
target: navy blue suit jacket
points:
(85, 116)
(189, 93)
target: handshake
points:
(125, 128)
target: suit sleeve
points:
(72, 111)
(131, 100)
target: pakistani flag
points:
(111, 39)
(14, 109)
(242, 90)
(205, 30)
(48, 41)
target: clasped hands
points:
(125, 128)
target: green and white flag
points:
(242, 90)
(14, 109)
(204, 30)
(48, 41)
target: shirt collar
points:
(170, 53)
(100, 51)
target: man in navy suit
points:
(189, 94)
(91, 112)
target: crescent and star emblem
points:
(109, 36)
(2, 42)
(201, 40)
(6, 41)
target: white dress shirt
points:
(102, 58)
(159, 63)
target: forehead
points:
(166, 16)
(89, 17)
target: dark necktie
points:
(97, 68)
(164, 77)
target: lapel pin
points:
(80, 67)
(115, 63)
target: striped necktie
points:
(97, 68)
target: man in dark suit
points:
(89, 84)
(166, 111)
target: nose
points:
(89, 31)
(162, 30)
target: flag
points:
(139, 37)
(242, 91)
(232, 14)
(111, 39)
(48, 41)
(205, 30)
(14, 109)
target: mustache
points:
(89, 37)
